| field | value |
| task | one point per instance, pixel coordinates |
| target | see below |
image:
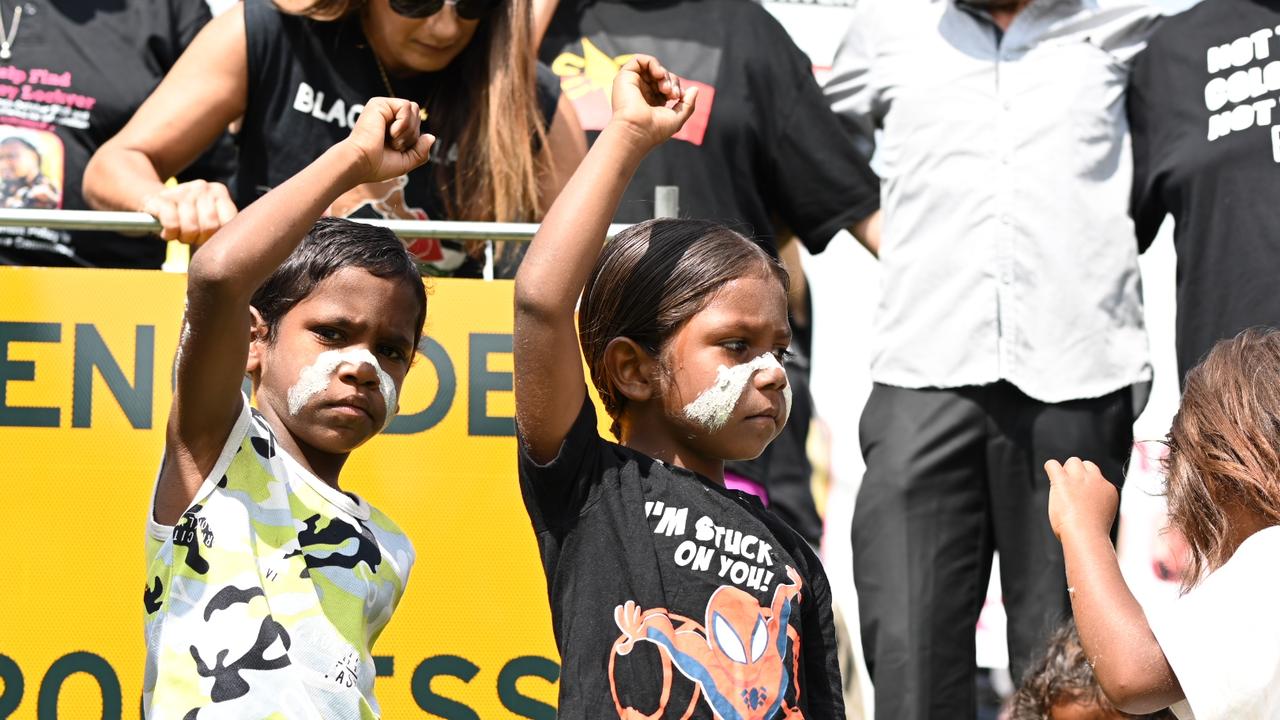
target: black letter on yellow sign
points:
(11, 332)
(522, 705)
(447, 387)
(438, 705)
(483, 381)
(92, 352)
(68, 665)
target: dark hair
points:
(333, 244)
(21, 141)
(650, 280)
(1224, 446)
(1063, 675)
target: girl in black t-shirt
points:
(652, 566)
(297, 81)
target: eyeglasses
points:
(466, 9)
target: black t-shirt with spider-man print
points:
(670, 594)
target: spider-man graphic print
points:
(737, 658)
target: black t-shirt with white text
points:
(77, 73)
(308, 82)
(762, 147)
(671, 595)
(1206, 133)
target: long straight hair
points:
(1224, 447)
(487, 101)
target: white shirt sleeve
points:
(852, 90)
(1222, 639)
(1124, 27)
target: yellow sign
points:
(85, 368)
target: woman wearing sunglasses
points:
(298, 78)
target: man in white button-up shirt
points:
(1010, 328)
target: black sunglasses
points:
(466, 9)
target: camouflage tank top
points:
(265, 600)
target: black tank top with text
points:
(308, 82)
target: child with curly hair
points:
(1061, 686)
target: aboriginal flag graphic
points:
(586, 70)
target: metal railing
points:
(137, 222)
(666, 205)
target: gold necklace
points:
(422, 110)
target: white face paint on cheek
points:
(714, 406)
(315, 378)
(786, 396)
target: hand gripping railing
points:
(666, 204)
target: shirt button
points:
(1006, 220)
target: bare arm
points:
(548, 364)
(567, 144)
(856, 98)
(798, 288)
(200, 96)
(543, 11)
(1126, 658)
(867, 231)
(224, 275)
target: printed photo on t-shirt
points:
(31, 168)
(388, 200)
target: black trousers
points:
(953, 475)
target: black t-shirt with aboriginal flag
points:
(1206, 137)
(76, 73)
(672, 596)
(308, 82)
(762, 149)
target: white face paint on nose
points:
(315, 378)
(714, 406)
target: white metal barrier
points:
(666, 204)
(137, 222)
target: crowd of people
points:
(1025, 152)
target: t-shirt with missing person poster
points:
(76, 74)
(762, 147)
(672, 596)
(308, 82)
(1206, 135)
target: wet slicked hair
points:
(331, 245)
(1224, 446)
(650, 280)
